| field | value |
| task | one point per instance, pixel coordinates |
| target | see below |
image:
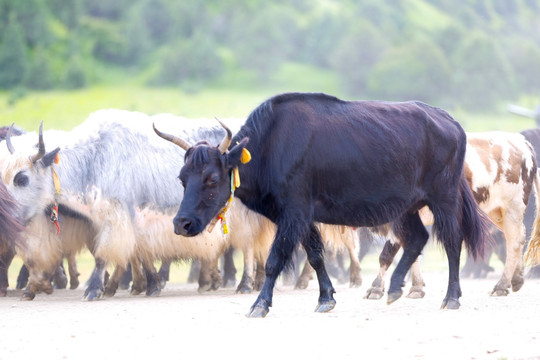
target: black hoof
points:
(374, 294)
(92, 295)
(393, 296)
(257, 312)
(3, 292)
(325, 306)
(28, 296)
(74, 284)
(450, 304)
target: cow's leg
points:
(413, 237)
(290, 230)
(246, 284)
(22, 278)
(94, 291)
(307, 274)
(514, 232)
(153, 287)
(139, 283)
(229, 270)
(73, 271)
(5, 260)
(417, 288)
(194, 271)
(353, 243)
(260, 275)
(38, 280)
(388, 253)
(366, 240)
(209, 276)
(59, 277)
(126, 278)
(164, 271)
(114, 280)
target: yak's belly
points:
(363, 213)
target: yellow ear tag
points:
(56, 181)
(57, 158)
(246, 156)
(236, 178)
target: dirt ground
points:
(182, 323)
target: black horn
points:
(41, 145)
(174, 139)
(226, 140)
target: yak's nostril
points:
(186, 225)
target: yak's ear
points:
(49, 158)
(234, 156)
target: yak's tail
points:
(472, 228)
(474, 222)
(532, 255)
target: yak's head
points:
(206, 178)
(26, 175)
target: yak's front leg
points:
(315, 254)
(94, 291)
(288, 234)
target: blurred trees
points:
(473, 53)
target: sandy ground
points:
(182, 323)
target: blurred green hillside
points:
(61, 60)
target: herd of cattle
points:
(304, 169)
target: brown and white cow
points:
(501, 170)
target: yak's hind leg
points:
(390, 249)
(413, 237)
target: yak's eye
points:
(212, 180)
(20, 179)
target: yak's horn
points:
(226, 140)
(41, 146)
(174, 139)
(8, 139)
